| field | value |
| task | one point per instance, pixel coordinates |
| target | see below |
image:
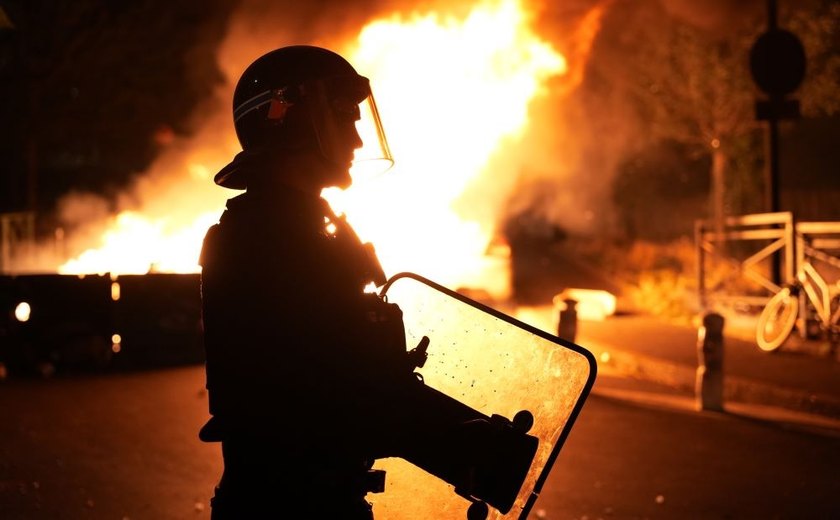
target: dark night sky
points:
(94, 86)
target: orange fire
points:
(454, 95)
(453, 92)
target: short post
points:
(567, 320)
(709, 383)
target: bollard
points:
(567, 320)
(709, 383)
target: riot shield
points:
(496, 365)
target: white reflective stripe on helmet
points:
(253, 103)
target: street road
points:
(124, 446)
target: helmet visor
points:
(374, 156)
(347, 124)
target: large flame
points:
(454, 93)
(136, 245)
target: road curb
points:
(736, 389)
(683, 403)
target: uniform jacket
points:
(293, 356)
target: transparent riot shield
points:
(496, 365)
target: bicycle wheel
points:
(775, 323)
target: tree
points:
(695, 89)
(817, 24)
(691, 84)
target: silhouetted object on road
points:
(567, 320)
(709, 384)
(309, 376)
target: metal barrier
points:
(795, 243)
(17, 236)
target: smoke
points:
(716, 16)
(186, 164)
(550, 158)
(578, 138)
(559, 172)
(560, 175)
(259, 26)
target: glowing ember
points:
(453, 93)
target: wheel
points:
(478, 511)
(776, 321)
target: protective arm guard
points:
(486, 459)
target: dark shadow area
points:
(57, 324)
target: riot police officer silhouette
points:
(307, 374)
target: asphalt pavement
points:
(658, 360)
(124, 446)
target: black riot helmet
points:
(300, 96)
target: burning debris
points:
(456, 88)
